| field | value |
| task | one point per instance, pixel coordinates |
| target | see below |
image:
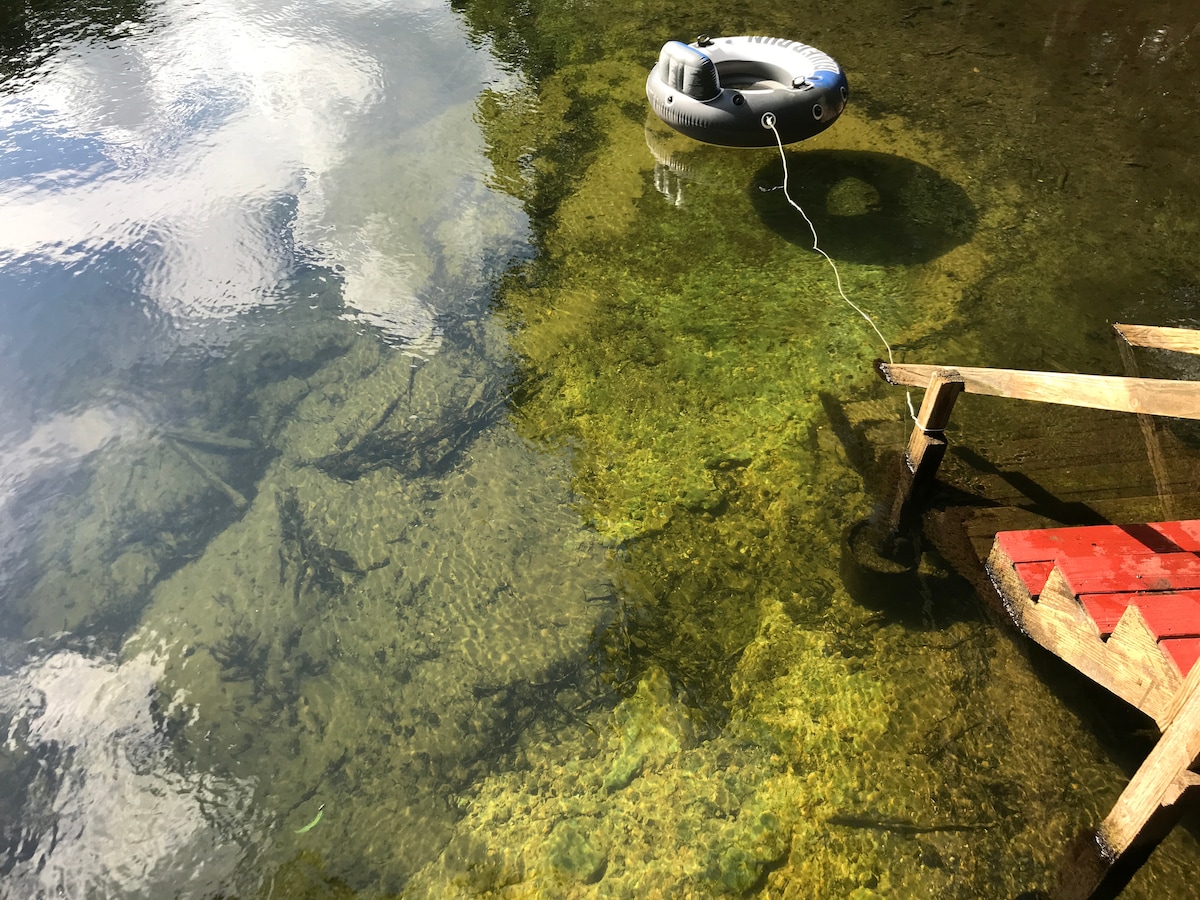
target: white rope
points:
(768, 121)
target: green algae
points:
(652, 730)
(303, 878)
(691, 393)
(763, 803)
(674, 334)
(572, 849)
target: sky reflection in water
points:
(202, 144)
(162, 182)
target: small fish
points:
(313, 824)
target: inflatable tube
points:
(726, 90)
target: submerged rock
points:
(575, 850)
(653, 730)
(377, 643)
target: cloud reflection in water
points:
(106, 815)
(182, 141)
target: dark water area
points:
(418, 466)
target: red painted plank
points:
(1166, 614)
(1186, 533)
(1184, 651)
(1106, 609)
(1034, 575)
(1171, 615)
(1156, 566)
(1131, 572)
(1048, 543)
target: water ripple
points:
(103, 815)
(189, 134)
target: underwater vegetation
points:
(675, 335)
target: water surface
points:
(418, 468)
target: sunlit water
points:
(391, 502)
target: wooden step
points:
(1121, 603)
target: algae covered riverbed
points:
(422, 479)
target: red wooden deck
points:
(1108, 568)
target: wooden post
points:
(926, 446)
(1102, 862)
(1154, 452)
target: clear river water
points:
(416, 473)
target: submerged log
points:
(235, 496)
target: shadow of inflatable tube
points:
(867, 207)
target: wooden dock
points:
(1119, 603)
(1077, 528)
(1122, 605)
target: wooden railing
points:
(943, 384)
(1151, 396)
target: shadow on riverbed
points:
(870, 208)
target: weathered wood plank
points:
(1101, 863)
(1153, 785)
(1182, 340)
(1187, 783)
(1129, 663)
(926, 448)
(1152, 396)
(1036, 487)
(1008, 584)
(1155, 454)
